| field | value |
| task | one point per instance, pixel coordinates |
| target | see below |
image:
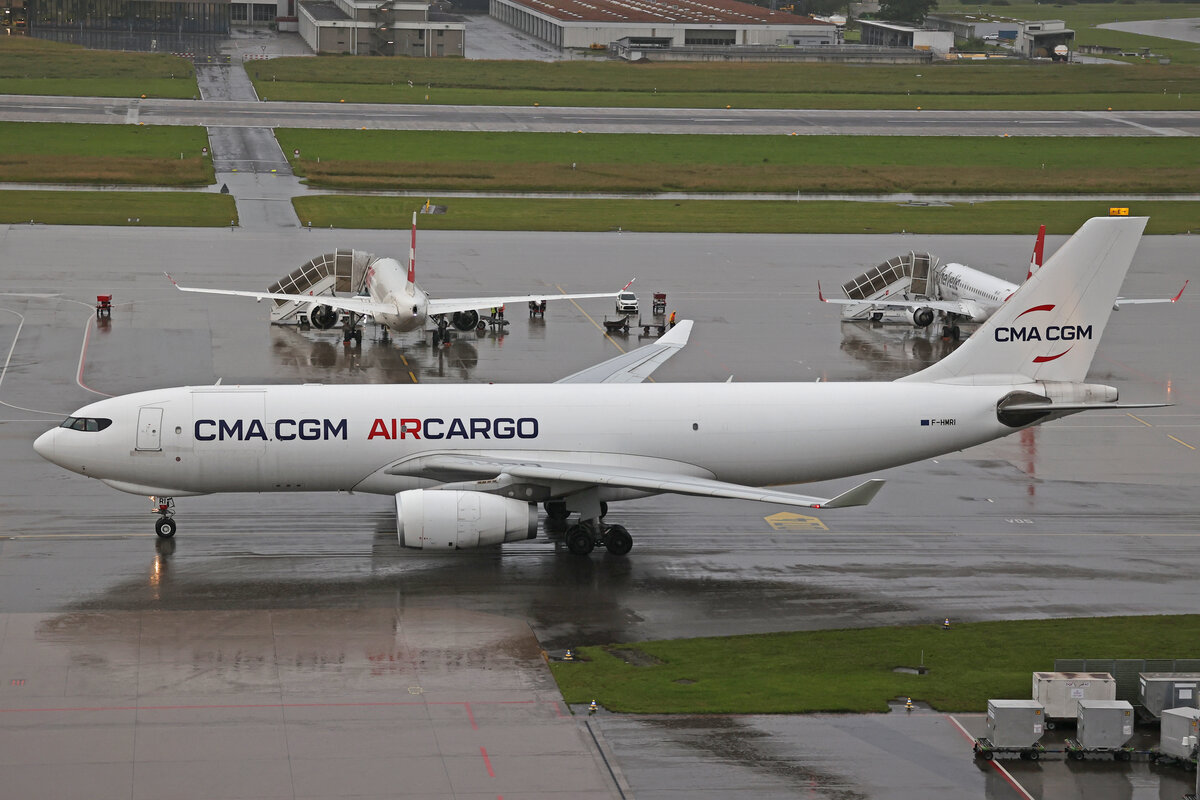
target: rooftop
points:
(700, 12)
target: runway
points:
(1092, 515)
(218, 113)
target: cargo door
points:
(1185, 695)
(149, 429)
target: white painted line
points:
(1003, 772)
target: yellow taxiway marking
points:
(403, 360)
(788, 521)
(588, 316)
(414, 377)
(1169, 436)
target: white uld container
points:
(1015, 723)
(1104, 724)
(1180, 727)
(1060, 692)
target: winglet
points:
(412, 254)
(176, 283)
(1039, 247)
(858, 496)
(1176, 297)
(626, 286)
(820, 294)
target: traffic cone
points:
(593, 707)
(569, 656)
(908, 705)
(946, 624)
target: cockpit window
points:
(86, 423)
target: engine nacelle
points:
(458, 520)
(922, 317)
(322, 317)
(465, 320)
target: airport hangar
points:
(593, 24)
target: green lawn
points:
(702, 85)
(570, 162)
(36, 66)
(192, 209)
(852, 670)
(151, 155)
(713, 216)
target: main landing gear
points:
(351, 332)
(584, 536)
(164, 526)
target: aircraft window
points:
(91, 424)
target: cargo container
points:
(1178, 736)
(1104, 726)
(1161, 690)
(1015, 723)
(1060, 692)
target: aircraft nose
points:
(44, 444)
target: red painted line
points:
(1003, 772)
(474, 726)
(487, 762)
(87, 335)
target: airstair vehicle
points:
(342, 272)
(902, 277)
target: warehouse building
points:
(894, 34)
(595, 24)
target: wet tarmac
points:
(1092, 515)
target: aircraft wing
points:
(636, 365)
(961, 307)
(359, 305)
(496, 473)
(453, 304)
(1125, 301)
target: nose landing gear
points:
(164, 507)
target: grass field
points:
(851, 670)
(191, 209)
(711, 216)
(698, 85)
(567, 162)
(49, 152)
(36, 66)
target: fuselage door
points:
(149, 429)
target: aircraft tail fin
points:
(1039, 247)
(1049, 329)
(412, 254)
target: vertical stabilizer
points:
(412, 256)
(1039, 247)
(1049, 329)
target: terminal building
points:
(595, 24)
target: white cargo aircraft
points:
(964, 294)
(395, 300)
(468, 468)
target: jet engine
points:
(922, 317)
(465, 320)
(458, 520)
(323, 317)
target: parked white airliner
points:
(395, 300)
(468, 468)
(965, 294)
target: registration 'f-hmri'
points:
(468, 469)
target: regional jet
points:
(927, 287)
(394, 300)
(468, 469)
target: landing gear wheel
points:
(617, 540)
(580, 541)
(556, 510)
(165, 527)
(955, 333)
(358, 338)
(603, 509)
